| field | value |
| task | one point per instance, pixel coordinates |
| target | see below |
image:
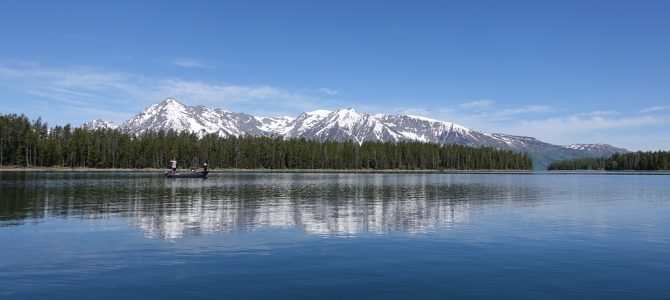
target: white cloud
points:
(542, 121)
(654, 109)
(417, 111)
(641, 141)
(83, 93)
(575, 123)
(94, 113)
(443, 110)
(601, 113)
(188, 63)
(201, 91)
(588, 129)
(96, 89)
(328, 91)
(479, 104)
(431, 112)
(530, 109)
(490, 118)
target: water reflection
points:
(324, 204)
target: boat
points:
(186, 174)
(172, 172)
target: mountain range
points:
(340, 125)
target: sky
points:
(561, 71)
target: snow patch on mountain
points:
(597, 149)
(424, 118)
(304, 123)
(341, 125)
(99, 124)
(275, 125)
(429, 130)
(171, 114)
(348, 124)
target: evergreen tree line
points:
(26, 143)
(639, 161)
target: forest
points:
(28, 143)
(634, 161)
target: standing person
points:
(205, 167)
(174, 165)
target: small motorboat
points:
(170, 174)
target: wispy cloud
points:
(77, 85)
(432, 112)
(189, 63)
(548, 124)
(576, 123)
(203, 92)
(93, 88)
(491, 117)
(328, 91)
(529, 109)
(484, 119)
(81, 93)
(479, 104)
(601, 113)
(417, 111)
(588, 129)
(654, 109)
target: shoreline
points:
(234, 170)
(11, 169)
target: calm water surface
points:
(342, 236)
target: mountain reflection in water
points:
(321, 204)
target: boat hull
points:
(187, 175)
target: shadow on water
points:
(328, 204)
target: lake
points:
(334, 236)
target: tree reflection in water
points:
(325, 204)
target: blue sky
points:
(562, 71)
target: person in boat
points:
(174, 166)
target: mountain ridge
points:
(344, 124)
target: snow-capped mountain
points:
(304, 122)
(275, 125)
(603, 150)
(417, 128)
(173, 115)
(344, 124)
(98, 124)
(434, 131)
(340, 125)
(424, 129)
